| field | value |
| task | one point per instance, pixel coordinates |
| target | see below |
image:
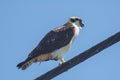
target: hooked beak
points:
(81, 24)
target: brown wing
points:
(54, 40)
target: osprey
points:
(55, 43)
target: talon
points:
(62, 61)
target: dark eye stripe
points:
(72, 20)
(76, 19)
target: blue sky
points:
(23, 23)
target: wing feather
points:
(55, 39)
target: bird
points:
(54, 44)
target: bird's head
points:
(77, 21)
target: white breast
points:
(77, 30)
(58, 54)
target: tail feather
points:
(23, 65)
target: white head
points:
(77, 21)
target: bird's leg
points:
(62, 61)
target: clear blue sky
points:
(23, 23)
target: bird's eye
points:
(72, 20)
